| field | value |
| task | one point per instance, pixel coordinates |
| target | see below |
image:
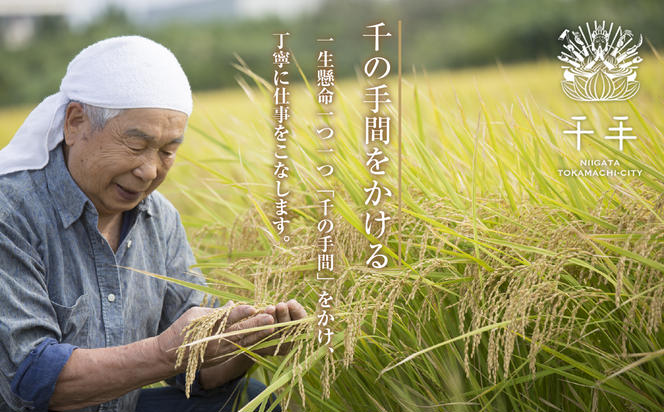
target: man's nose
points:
(147, 170)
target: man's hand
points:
(241, 317)
(283, 312)
(237, 365)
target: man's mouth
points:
(126, 194)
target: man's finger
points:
(283, 314)
(271, 310)
(255, 337)
(240, 312)
(296, 311)
(259, 320)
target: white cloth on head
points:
(119, 73)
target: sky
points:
(85, 10)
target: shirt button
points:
(128, 244)
(111, 297)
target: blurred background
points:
(39, 37)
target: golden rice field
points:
(518, 289)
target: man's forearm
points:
(94, 376)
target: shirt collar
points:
(70, 201)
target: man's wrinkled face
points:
(119, 165)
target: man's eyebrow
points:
(141, 134)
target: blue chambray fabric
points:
(60, 282)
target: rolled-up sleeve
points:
(35, 378)
(31, 356)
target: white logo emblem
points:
(600, 64)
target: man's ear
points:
(77, 124)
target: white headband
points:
(125, 72)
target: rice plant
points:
(517, 289)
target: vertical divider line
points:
(399, 139)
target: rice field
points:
(519, 289)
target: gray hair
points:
(98, 116)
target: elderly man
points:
(77, 206)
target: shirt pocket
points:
(74, 320)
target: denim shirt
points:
(62, 286)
